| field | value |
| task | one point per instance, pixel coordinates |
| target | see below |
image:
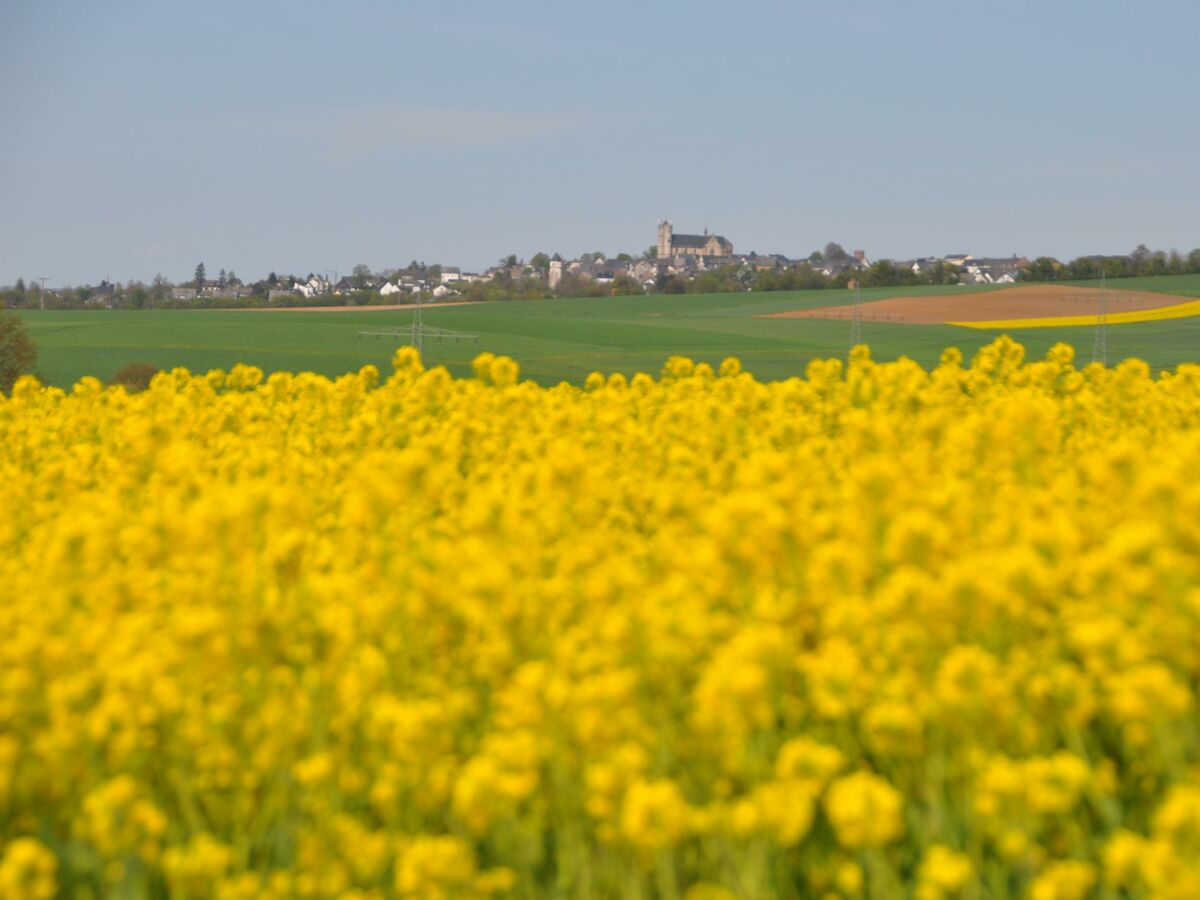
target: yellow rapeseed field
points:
(1184, 310)
(878, 632)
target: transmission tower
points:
(418, 330)
(1100, 344)
(42, 297)
(856, 317)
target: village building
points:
(313, 286)
(769, 262)
(671, 244)
(454, 275)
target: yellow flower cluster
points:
(877, 631)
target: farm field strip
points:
(556, 339)
(1173, 311)
(1048, 301)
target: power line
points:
(418, 333)
(856, 316)
(1100, 343)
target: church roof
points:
(695, 240)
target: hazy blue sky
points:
(144, 137)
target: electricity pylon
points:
(856, 317)
(1100, 343)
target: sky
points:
(140, 137)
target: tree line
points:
(1140, 263)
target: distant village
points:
(675, 263)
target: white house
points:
(388, 289)
(977, 274)
(314, 285)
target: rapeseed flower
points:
(875, 631)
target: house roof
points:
(1001, 261)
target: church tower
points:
(556, 271)
(665, 233)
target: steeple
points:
(665, 234)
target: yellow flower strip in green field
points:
(873, 632)
(1175, 311)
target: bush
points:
(18, 352)
(135, 377)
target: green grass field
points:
(1183, 285)
(558, 340)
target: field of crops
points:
(1184, 310)
(874, 632)
(564, 340)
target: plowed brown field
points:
(1033, 301)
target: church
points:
(671, 244)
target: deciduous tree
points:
(1085, 267)
(1042, 269)
(361, 276)
(160, 289)
(1115, 267)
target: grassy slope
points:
(553, 339)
